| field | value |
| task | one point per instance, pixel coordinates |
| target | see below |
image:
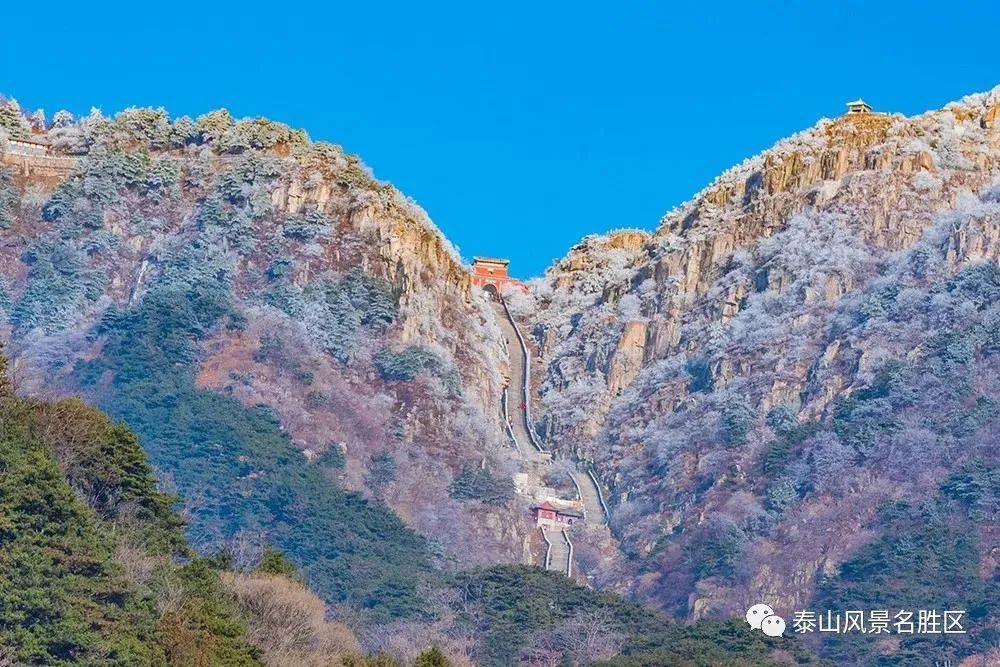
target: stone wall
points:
(39, 166)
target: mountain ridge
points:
(767, 353)
(707, 369)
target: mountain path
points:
(593, 501)
(559, 554)
(535, 461)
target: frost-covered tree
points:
(948, 147)
(307, 225)
(13, 121)
(214, 125)
(257, 134)
(8, 198)
(60, 283)
(831, 461)
(247, 185)
(184, 131)
(37, 121)
(67, 139)
(62, 118)
(95, 126)
(144, 125)
(737, 418)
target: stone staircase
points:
(559, 553)
(516, 395)
(590, 494)
(535, 461)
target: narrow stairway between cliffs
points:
(554, 515)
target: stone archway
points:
(491, 289)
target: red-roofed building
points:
(491, 274)
(546, 514)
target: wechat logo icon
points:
(762, 617)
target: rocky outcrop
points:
(990, 117)
(293, 220)
(728, 304)
(888, 175)
(628, 356)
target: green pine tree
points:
(432, 657)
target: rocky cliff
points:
(721, 371)
(349, 314)
(888, 176)
(788, 389)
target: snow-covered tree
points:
(13, 121)
(62, 118)
(214, 125)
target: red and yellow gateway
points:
(491, 274)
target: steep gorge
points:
(792, 376)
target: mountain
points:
(96, 571)
(786, 392)
(294, 342)
(789, 387)
(317, 389)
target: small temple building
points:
(547, 514)
(492, 275)
(858, 106)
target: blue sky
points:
(520, 127)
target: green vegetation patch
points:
(478, 484)
(66, 595)
(515, 606)
(926, 557)
(234, 464)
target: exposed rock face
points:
(990, 117)
(809, 345)
(864, 167)
(628, 356)
(658, 347)
(293, 218)
(434, 283)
